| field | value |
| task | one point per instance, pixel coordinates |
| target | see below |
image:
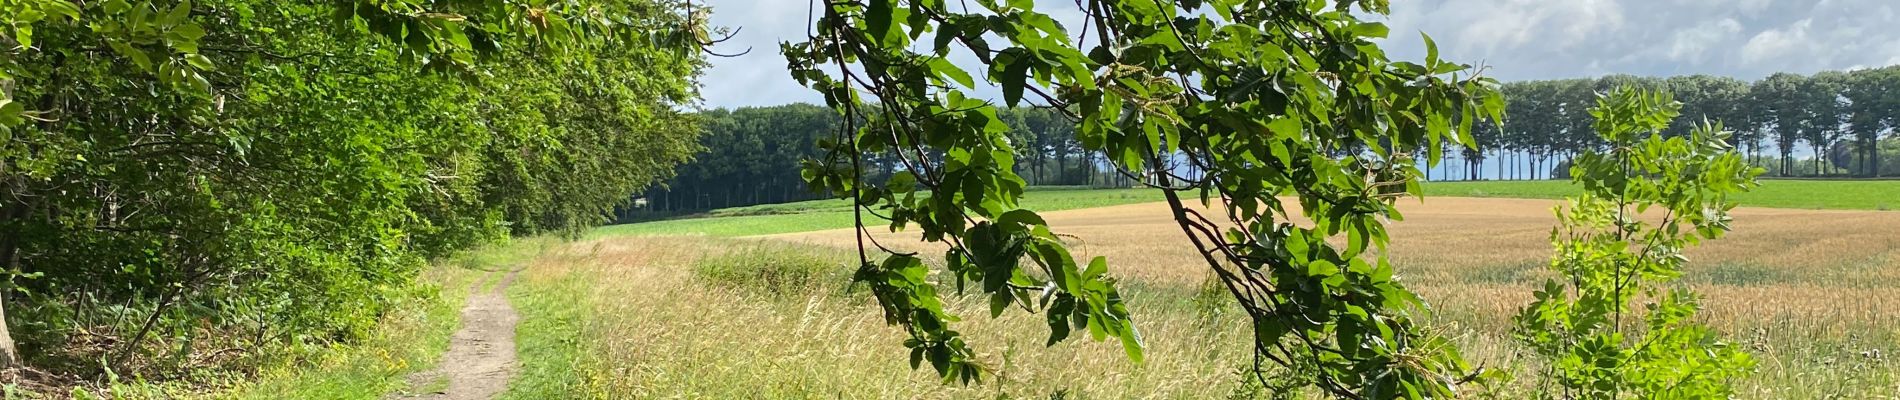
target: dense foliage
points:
(1839, 117)
(188, 184)
(1266, 98)
(1612, 249)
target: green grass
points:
(775, 268)
(1802, 194)
(556, 359)
(407, 341)
(548, 342)
(815, 215)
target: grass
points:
(641, 311)
(662, 324)
(1802, 194)
(832, 214)
(816, 215)
(774, 268)
(707, 317)
(555, 315)
(407, 341)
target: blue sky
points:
(1517, 39)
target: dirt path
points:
(481, 356)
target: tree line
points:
(1841, 118)
(752, 155)
(188, 188)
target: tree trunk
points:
(10, 211)
(1062, 168)
(1500, 166)
(1444, 170)
(10, 255)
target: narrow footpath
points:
(481, 357)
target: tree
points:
(1265, 97)
(1873, 107)
(1826, 111)
(255, 174)
(1704, 97)
(747, 156)
(1781, 105)
(1609, 255)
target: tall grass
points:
(775, 268)
(701, 317)
(659, 326)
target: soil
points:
(481, 357)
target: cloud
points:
(1694, 45)
(1776, 43)
(1517, 39)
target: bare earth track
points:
(481, 356)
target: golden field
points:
(1813, 294)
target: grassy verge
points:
(1802, 194)
(555, 303)
(407, 341)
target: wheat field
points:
(1812, 294)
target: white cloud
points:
(1692, 45)
(1777, 43)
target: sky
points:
(1514, 39)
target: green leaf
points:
(902, 182)
(138, 57)
(199, 61)
(115, 6)
(1058, 318)
(1097, 267)
(178, 14)
(945, 68)
(878, 18)
(1022, 217)
(189, 31)
(1370, 29)
(1013, 78)
(1321, 268)
(1000, 301)
(11, 113)
(1131, 343)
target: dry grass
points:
(661, 331)
(1813, 293)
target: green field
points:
(832, 214)
(1802, 194)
